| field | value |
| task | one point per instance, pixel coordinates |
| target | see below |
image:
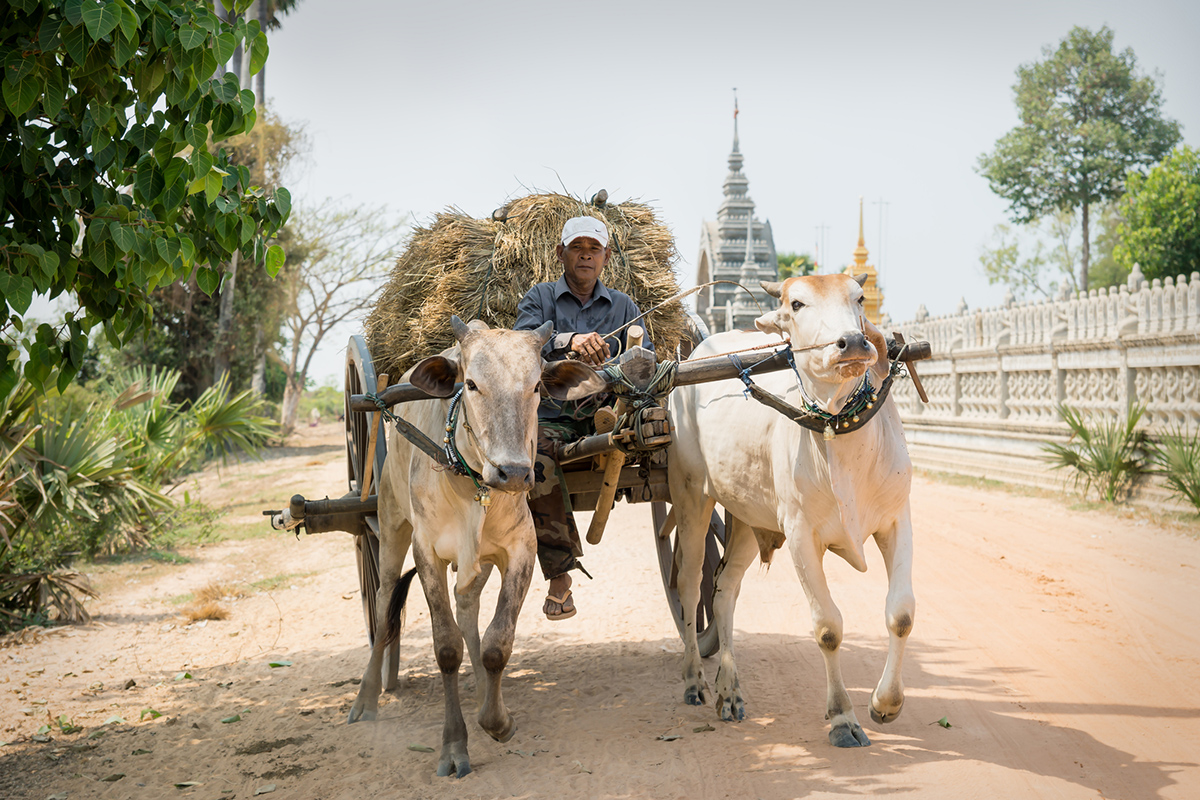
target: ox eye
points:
(860, 300)
(471, 385)
(797, 305)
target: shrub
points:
(1178, 458)
(1108, 455)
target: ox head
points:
(824, 313)
(502, 372)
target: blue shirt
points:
(604, 312)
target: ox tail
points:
(395, 610)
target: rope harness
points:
(858, 411)
(447, 456)
(637, 401)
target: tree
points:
(1087, 117)
(338, 257)
(1049, 268)
(1160, 225)
(108, 182)
(793, 264)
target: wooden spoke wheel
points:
(361, 379)
(668, 566)
(668, 545)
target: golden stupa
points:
(873, 295)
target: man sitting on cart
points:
(582, 309)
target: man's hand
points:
(591, 347)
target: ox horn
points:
(460, 328)
(544, 331)
(773, 288)
(861, 278)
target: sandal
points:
(564, 611)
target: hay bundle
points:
(481, 268)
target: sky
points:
(420, 106)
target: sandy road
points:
(1062, 646)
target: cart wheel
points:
(361, 378)
(668, 548)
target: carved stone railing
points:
(997, 375)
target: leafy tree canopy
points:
(793, 264)
(1087, 117)
(1160, 225)
(109, 183)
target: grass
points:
(201, 611)
(280, 581)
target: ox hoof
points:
(454, 763)
(358, 714)
(848, 734)
(694, 696)
(882, 718)
(503, 733)
(731, 709)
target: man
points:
(582, 310)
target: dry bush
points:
(480, 269)
(205, 610)
(219, 591)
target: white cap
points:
(584, 226)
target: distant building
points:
(872, 294)
(736, 247)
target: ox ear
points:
(773, 322)
(875, 336)
(544, 331)
(773, 288)
(435, 375)
(477, 325)
(861, 279)
(571, 380)
(459, 327)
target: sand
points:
(1061, 645)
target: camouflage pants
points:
(557, 537)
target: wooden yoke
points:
(616, 459)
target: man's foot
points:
(559, 604)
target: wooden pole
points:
(616, 460)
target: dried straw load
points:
(480, 269)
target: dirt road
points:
(1062, 646)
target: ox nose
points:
(510, 477)
(852, 341)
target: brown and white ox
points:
(436, 511)
(780, 481)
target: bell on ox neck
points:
(483, 497)
(828, 433)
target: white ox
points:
(436, 511)
(781, 481)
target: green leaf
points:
(100, 17)
(124, 48)
(104, 255)
(149, 180)
(55, 93)
(129, 23)
(187, 250)
(234, 718)
(283, 201)
(420, 748)
(17, 290)
(20, 96)
(274, 260)
(274, 664)
(149, 712)
(258, 53)
(212, 186)
(196, 135)
(208, 280)
(223, 46)
(944, 722)
(192, 37)
(181, 676)
(114, 719)
(124, 237)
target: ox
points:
(438, 513)
(779, 481)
